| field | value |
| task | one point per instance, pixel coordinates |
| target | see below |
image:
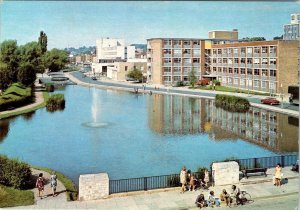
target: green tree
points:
(278, 37)
(26, 73)
(135, 74)
(9, 56)
(43, 42)
(193, 78)
(253, 39)
(4, 76)
(55, 59)
(32, 53)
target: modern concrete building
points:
(291, 31)
(119, 70)
(171, 60)
(267, 66)
(222, 34)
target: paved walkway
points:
(259, 187)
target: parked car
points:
(203, 82)
(270, 101)
(94, 78)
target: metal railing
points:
(173, 180)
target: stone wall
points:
(93, 186)
(225, 173)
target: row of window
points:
(179, 69)
(248, 71)
(249, 83)
(244, 50)
(168, 79)
(271, 61)
(180, 42)
(196, 52)
(180, 60)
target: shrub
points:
(14, 173)
(50, 87)
(56, 102)
(217, 82)
(232, 103)
(180, 83)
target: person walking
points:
(40, 185)
(183, 179)
(278, 175)
(53, 183)
(206, 178)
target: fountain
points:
(94, 111)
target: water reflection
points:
(4, 129)
(180, 115)
(28, 116)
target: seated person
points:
(236, 193)
(296, 166)
(212, 200)
(200, 201)
(192, 183)
(224, 196)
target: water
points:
(141, 135)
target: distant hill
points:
(81, 50)
(141, 46)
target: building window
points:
(249, 50)
(219, 61)
(177, 69)
(272, 61)
(249, 60)
(256, 83)
(243, 50)
(219, 69)
(177, 60)
(196, 52)
(167, 69)
(264, 72)
(214, 60)
(256, 61)
(225, 70)
(230, 70)
(243, 60)
(214, 51)
(236, 60)
(272, 73)
(230, 50)
(273, 49)
(236, 81)
(249, 71)
(235, 50)
(256, 72)
(242, 71)
(196, 60)
(196, 42)
(167, 60)
(257, 50)
(224, 60)
(242, 82)
(187, 69)
(224, 80)
(177, 78)
(177, 42)
(272, 86)
(264, 84)
(229, 60)
(187, 52)
(265, 61)
(167, 42)
(186, 42)
(214, 69)
(264, 49)
(167, 78)
(224, 51)
(236, 70)
(187, 60)
(167, 51)
(177, 52)
(219, 51)
(229, 80)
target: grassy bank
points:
(230, 89)
(14, 113)
(10, 197)
(72, 191)
(232, 103)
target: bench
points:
(246, 172)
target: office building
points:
(226, 35)
(292, 30)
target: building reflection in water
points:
(182, 115)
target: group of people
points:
(224, 196)
(40, 184)
(190, 182)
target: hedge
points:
(232, 103)
(14, 173)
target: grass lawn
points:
(10, 197)
(14, 93)
(230, 89)
(72, 191)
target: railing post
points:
(145, 183)
(255, 162)
(282, 161)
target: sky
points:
(80, 23)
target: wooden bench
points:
(246, 172)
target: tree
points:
(26, 73)
(278, 37)
(9, 56)
(253, 39)
(135, 74)
(55, 59)
(193, 78)
(43, 42)
(32, 53)
(4, 76)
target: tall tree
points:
(43, 42)
(193, 78)
(135, 74)
(4, 76)
(26, 74)
(9, 56)
(55, 59)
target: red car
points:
(270, 101)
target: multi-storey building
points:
(268, 66)
(221, 34)
(172, 60)
(292, 31)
